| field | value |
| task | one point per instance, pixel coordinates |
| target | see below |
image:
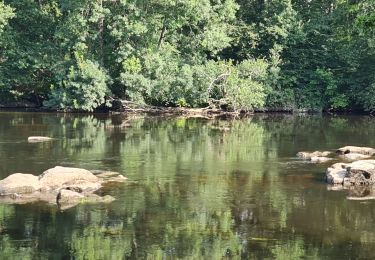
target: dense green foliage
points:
(73, 54)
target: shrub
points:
(83, 87)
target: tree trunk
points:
(101, 36)
(162, 34)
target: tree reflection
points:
(198, 189)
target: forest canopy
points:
(78, 54)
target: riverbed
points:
(197, 188)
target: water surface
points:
(197, 189)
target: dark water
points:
(198, 189)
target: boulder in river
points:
(348, 153)
(315, 157)
(69, 197)
(39, 139)
(357, 173)
(62, 185)
(356, 149)
(336, 173)
(309, 155)
(64, 177)
(361, 172)
(19, 183)
(355, 156)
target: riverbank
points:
(123, 106)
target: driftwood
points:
(207, 112)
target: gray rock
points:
(357, 173)
(315, 157)
(336, 173)
(62, 185)
(356, 149)
(335, 176)
(19, 183)
(82, 186)
(16, 198)
(361, 173)
(319, 159)
(59, 177)
(69, 197)
(309, 155)
(39, 139)
(355, 156)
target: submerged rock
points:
(38, 139)
(309, 155)
(106, 174)
(69, 197)
(16, 198)
(82, 186)
(318, 159)
(347, 153)
(109, 176)
(356, 149)
(64, 186)
(315, 157)
(118, 178)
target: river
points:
(197, 188)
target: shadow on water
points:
(197, 188)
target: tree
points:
(317, 54)
(28, 49)
(6, 13)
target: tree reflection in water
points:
(197, 188)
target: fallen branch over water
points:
(122, 106)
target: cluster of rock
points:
(360, 172)
(357, 177)
(317, 156)
(63, 186)
(356, 173)
(354, 153)
(347, 153)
